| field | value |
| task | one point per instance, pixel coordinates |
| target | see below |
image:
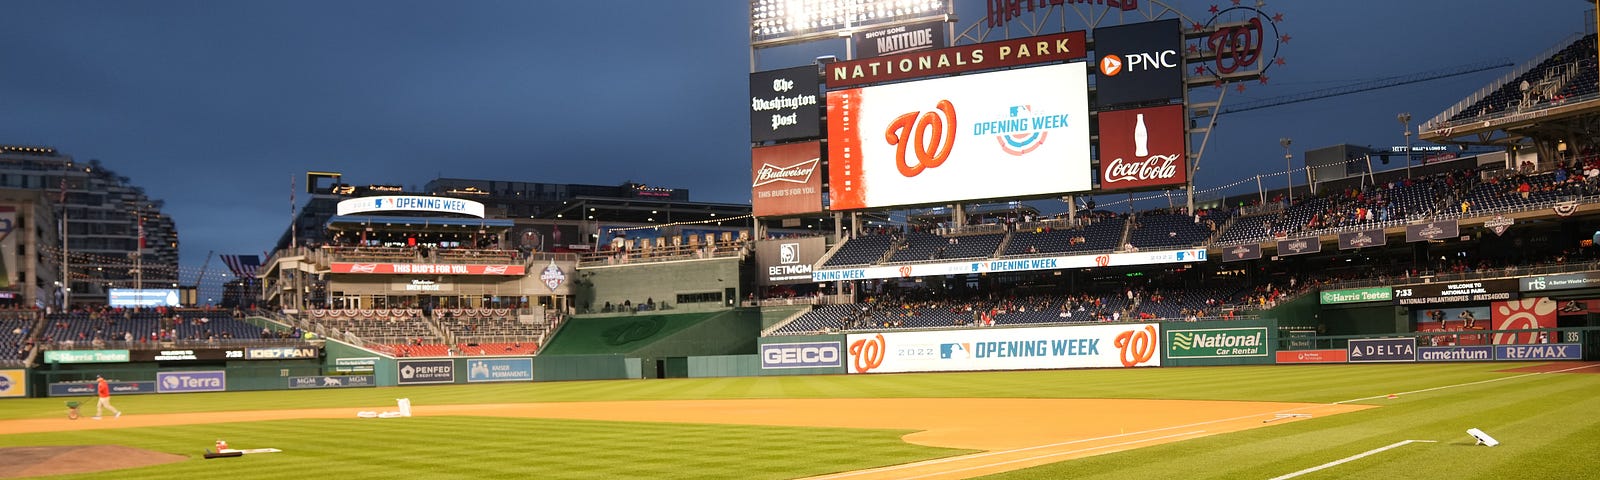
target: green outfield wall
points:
(1229, 342)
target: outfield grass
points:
(1546, 421)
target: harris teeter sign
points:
(1357, 295)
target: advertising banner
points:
(1370, 350)
(786, 179)
(1299, 246)
(1018, 265)
(1552, 351)
(1448, 292)
(1004, 134)
(355, 365)
(964, 58)
(1217, 343)
(1093, 346)
(1364, 238)
(281, 353)
(1313, 356)
(184, 382)
(13, 383)
(877, 42)
(1455, 354)
(500, 370)
(787, 261)
(1139, 62)
(1357, 295)
(1524, 314)
(149, 297)
(1143, 148)
(409, 203)
(185, 354)
(426, 268)
(1248, 251)
(332, 381)
(87, 389)
(801, 355)
(783, 104)
(416, 372)
(1565, 281)
(549, 237)
(1440, 230)
(86, 356)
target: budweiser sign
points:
(797, 173)
(1142, 148)
(783, 179)
(426, 268)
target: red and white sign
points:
(1523, 314)
(1142, 148)
(1337, 355)
(1005, 134)
(786, 179)
(427, 268)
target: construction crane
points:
(1367, 85)
(202, 276)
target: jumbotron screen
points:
(1006, 134)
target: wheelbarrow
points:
(72, 410)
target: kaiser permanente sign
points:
(410, 203)
(1357, 295)
(1011, 265)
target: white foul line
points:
(1351, 458)
(1467, 384)
(1057, 454)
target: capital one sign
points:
(1142, 148)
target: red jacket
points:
(105, 390)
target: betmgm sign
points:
(787, 261)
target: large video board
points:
(1138, 62)
(1004, 134)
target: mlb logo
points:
(1180, 256)
(789, 253)
(377, 203)
(954, 350)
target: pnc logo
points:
(1111, 65)
(867, 353)
(1137, 346)
(930, 136)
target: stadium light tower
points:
(1405, 122)
(1288, 168)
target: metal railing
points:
(1443, 119)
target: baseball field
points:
(1311, 421)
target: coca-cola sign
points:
(1142, 148)
(784, 179)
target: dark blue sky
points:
(214, 105)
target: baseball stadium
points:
(973, 248)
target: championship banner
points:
(1524, 314)
(877, 42)
(1094, 346)
(1299, 246)
(1361, 239)
(1440, 230)
(1145, 148)
(426, 268)
(786, 179)
(1248, 251)
(979, 56)
(1004, 134)
(783, 104)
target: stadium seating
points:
(1568, 73)
(861, 250)
(1166, 231)
(1103, 235)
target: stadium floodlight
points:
(1288, 165)
(776, 22)
(1405, 121)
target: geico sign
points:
(809, 355)
(1113, 64)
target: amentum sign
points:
(991, 135)
(1217, 343)
(1139, 62)
(410, 203)
(784, 104)
(1142, 148)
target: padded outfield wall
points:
(712, 282)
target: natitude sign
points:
(1142, 148)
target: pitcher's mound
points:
(41, 461)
